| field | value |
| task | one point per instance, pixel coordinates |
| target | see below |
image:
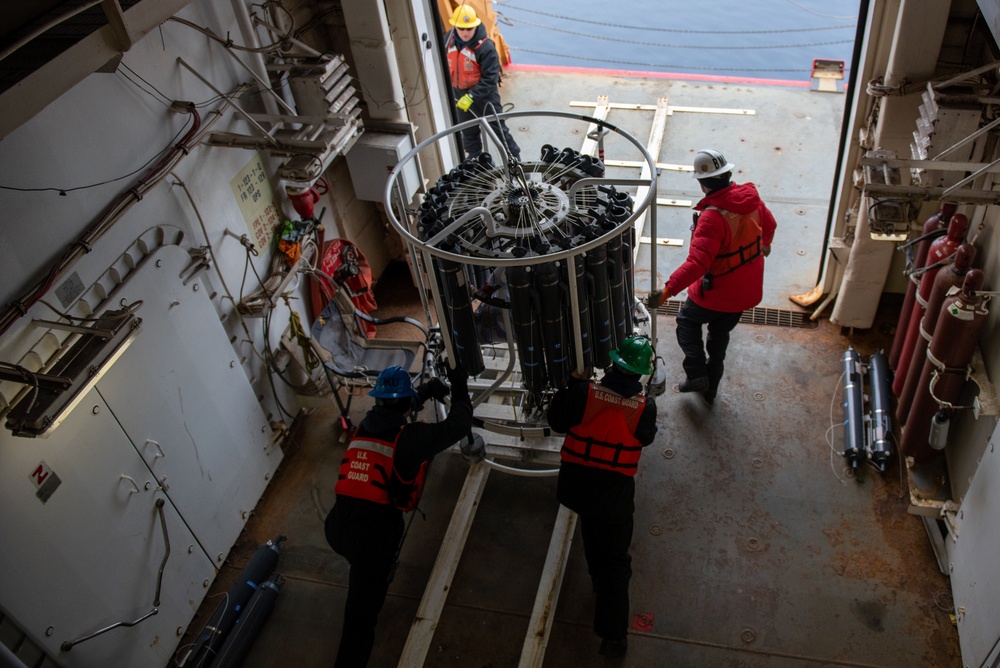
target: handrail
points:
(69, 644)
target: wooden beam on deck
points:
(544, 611)
(418, 642)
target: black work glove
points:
(432, 389)
(654, 300)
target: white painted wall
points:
(103, 128)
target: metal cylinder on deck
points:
(249, 625)
(940, 249)
(936, 222)
(879, 445)
(946, 279)
(945, 370)
(854, 424)
(208, 643)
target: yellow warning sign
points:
(256, 199)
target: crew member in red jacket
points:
(607, 425)
(723, 272)
(381, 476)
(475, 77)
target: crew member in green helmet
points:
(606, 425)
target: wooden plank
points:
(673, 202)
(544, 610)
(418, 642)
(714, 110)
(615, 105)
(639, 163)
(535, 444)
(662, 241)
(670, 110)
(653, 146)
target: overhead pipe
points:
(375, 59)
(908, 60)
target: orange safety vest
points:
(744, 245)
(605, 438)
(463, 64)
(367, 472)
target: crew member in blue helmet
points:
(607, 425)
(381, 477)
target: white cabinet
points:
(185, 402)
(173, 420)
(88, 557)
(973, 562)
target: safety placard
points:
(45, 480)
(256, 199)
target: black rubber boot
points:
(694, 384)
(613, 648)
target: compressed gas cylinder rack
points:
(534, 255)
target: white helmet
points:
(709, 163)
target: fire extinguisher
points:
(947, 278)
(304, 199)
(932, 228)
(946, 368)
(939, 250)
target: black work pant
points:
(690, 320)
(605, 503)
(472, 137)
(368, 538)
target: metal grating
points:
(755, 316)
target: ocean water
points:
(766, 39)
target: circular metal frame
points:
(481, 222)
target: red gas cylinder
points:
(936, 222)
(945, 370)
(946, 279)
(940, 249)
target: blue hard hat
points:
(393, 383)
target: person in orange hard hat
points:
(381, 477)
(723, 272)
(607, 424)
(475, 78)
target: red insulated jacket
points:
(712, 236)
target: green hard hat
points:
(635, 354)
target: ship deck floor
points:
(752, 546)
